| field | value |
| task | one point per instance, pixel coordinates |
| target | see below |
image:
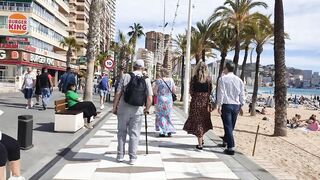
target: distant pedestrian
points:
(230, 98)
(95, 85)
(28, 86)
(199, 119)
(67, 78)
(38, 90)
(103, 89)
(46, 87)
(164, 87)
(134, 91)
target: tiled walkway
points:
(168, 158)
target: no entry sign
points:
(109, 63)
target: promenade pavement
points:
(49, 146)
(169, 158)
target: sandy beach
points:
(298, 154)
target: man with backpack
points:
(134, 91)
(103, 89)
(67, 78)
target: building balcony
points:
(63, 4)
(72, 19)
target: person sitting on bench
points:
(9, 151)
(77, 104)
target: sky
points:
(301, 23)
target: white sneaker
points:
(102, 107)
(88, 125)
(132, 161)
(27, 107)
(16, 178)
(120, 160)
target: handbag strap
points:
(167, 85)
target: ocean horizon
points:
(290, 91)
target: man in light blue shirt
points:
(230, 99)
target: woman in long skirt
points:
(164, 88)
(199, 120)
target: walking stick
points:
(146, 130)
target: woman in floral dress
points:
(164, 104)
(199, 120)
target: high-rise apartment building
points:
(161, 46)
(112, 10)
(30, 35)
(148, 58)
(79, 23)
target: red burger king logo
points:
(18, 23)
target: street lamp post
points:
(187, 65)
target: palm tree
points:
(200, 44)
(135, 33)
(246, 36)
(237, 13)
(72, 44)
(93, 46)
(125, 50)
(280, 128)
(223, 40)
(263, 33)
(115, 48)
(181, 44)
(100, 60)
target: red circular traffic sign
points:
(109, 63)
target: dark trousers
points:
(229, 117)
(87, 108)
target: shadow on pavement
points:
(45, 127)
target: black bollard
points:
(25, 131)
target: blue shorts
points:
(103, 93)
(28, 93)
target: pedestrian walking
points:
(199, 119)
(164, 88)
(67, 78)
(38, 91)
(103, 89)
(95, 85)
(46, 87)
(28, 86)
(134, 91)
(230, 99)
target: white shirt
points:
(230, 90)
(28, 81)
(0, 135)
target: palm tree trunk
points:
(182, 77)
(203, 55)
(133, 56)
(69, 54)
(236, 53)
(223, 56)
(115, 65)
(93, 35)
(280, 128)
(256, 83)
(198, 58)
(244, 63)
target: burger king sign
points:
(18, 23)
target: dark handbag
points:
(174, 96)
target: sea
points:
(290, 91)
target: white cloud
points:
(301, 23)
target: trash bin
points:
(25, 131)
